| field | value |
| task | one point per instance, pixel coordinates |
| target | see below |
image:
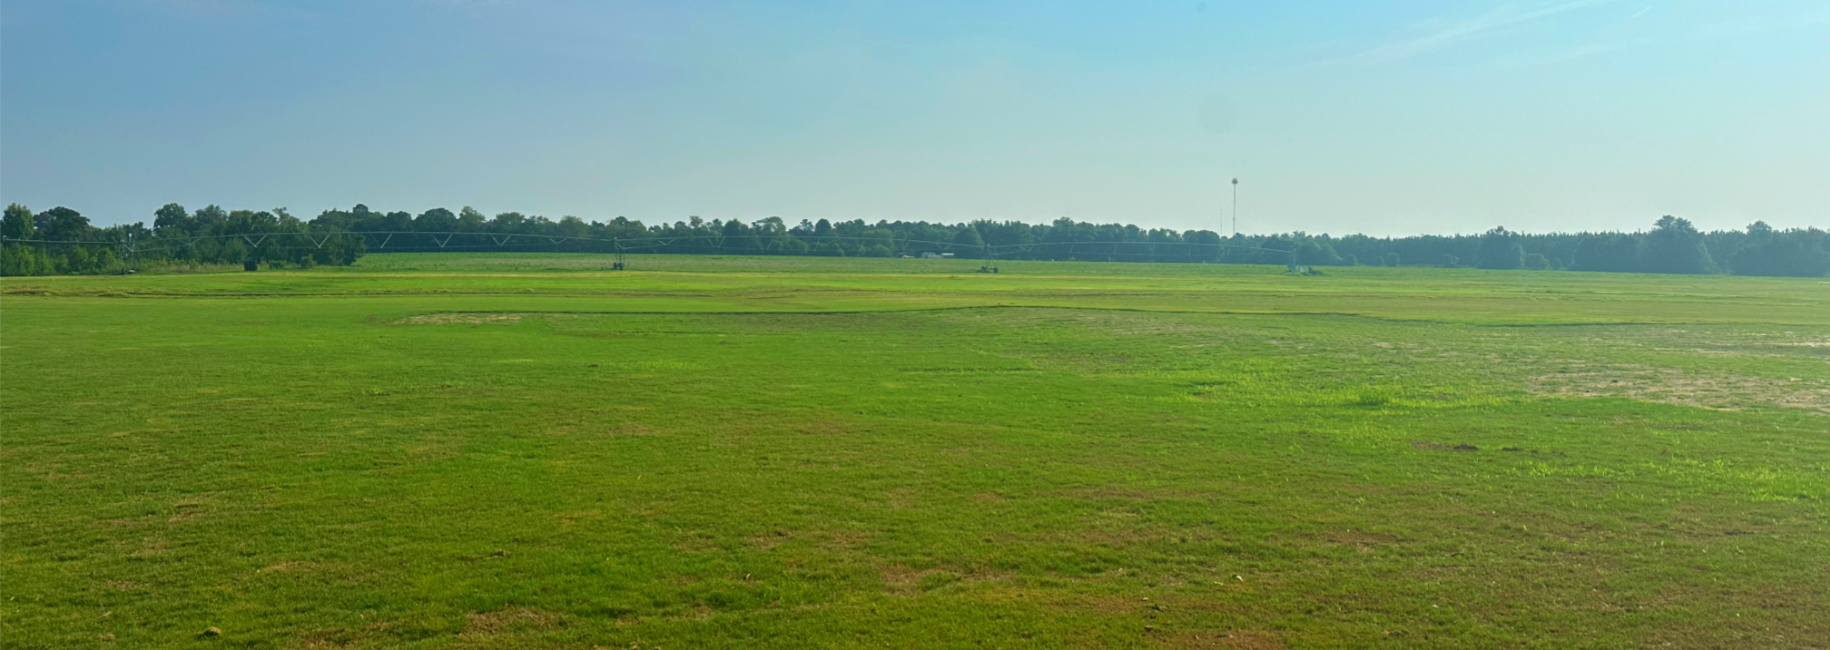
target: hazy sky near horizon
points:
(1393, 118)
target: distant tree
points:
(18, 223)
(19, 259)
(507, 222)
(967, 242)
(436, 220)
(739, 238)
(1499, 249)
(1206, 246)
(1537, 262)
(1797, 253)
(732, 228)
(62, 224)
(397, 222)
(771, 234)
(769, 227)
(469, 220)
(1350, 260)
(570, 226)
(211, 217)
(172, 218)
(1391, 259)
(22, 259)
(1607, 252)
(1674, 246)
(876, 237)
(1450, 261)
(1310, 251)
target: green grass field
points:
(530, 451)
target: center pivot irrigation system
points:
(415, 241)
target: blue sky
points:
(1384, 118)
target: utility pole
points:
(1235, 206)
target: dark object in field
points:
(616, 266)
(250, 265)
(211, 631)
(1436, 446)
(987, 269)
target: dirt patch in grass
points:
(843, 540)
(459, 319)
(1426, 445)
(1672, 386)
(1247, 640)
(1363, 541)
(303, 567)
(902, 580)
(1138, 323)
(902, 497)
(509, 618)
(899, 577)
(1231, 639)
(1774, 618)
(346, 637)
(569, 519)
(769, 539)
(131, 522)
(697, 541)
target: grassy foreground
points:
(529, 451)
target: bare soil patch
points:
(1673, 386)
(505, 619)
(459, 319)
(1232, 639)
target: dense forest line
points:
(61, 240)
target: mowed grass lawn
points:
(530, 451)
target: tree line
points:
(62, 241)
(40, 244)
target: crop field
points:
(532, 451)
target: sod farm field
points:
(532, 451)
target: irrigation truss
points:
(419, 241)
